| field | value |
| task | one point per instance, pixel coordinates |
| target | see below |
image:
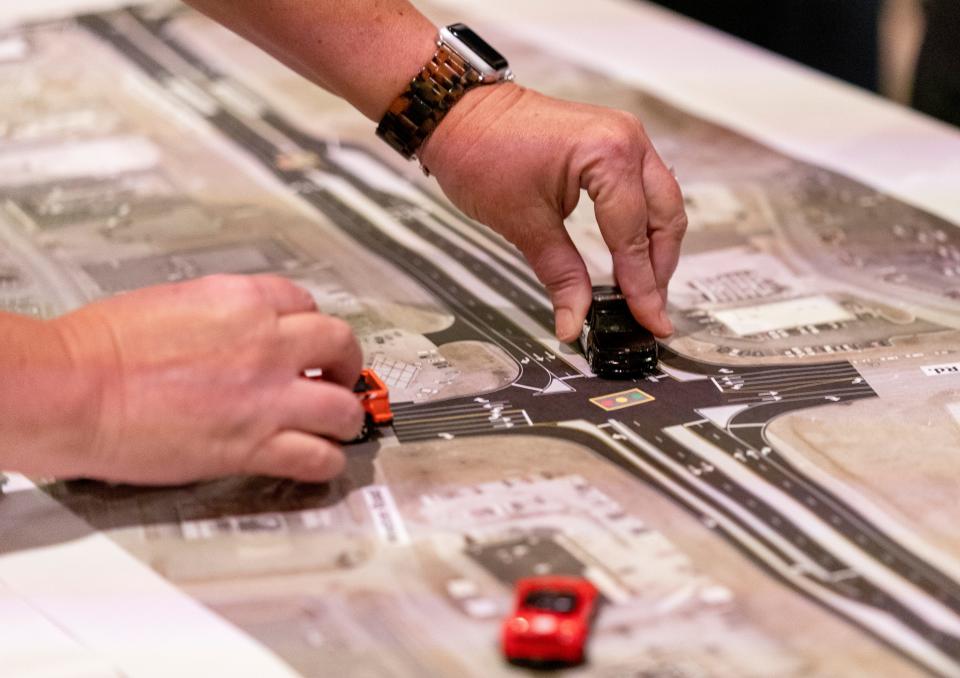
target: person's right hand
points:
(203, 379)
(516, 161)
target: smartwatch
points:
(463, 60)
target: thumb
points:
(559, 266)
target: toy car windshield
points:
(551, 601)
(361, 386)
(616, 323)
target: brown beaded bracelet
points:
(414, 115)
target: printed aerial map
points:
(779, 499)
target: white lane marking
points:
(884, 625)
(893, 583)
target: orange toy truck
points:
(375, 398)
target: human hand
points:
(203, 379)
(516, 160)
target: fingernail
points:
(565, 324)
(665, 321)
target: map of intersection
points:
(779, 498)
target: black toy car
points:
(616, 345)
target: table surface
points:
(784, 105)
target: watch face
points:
(479, 46)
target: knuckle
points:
(339, 332)
(232, 292)
(323, 462)
(616, 147)
(562, 279)
(674, 192)
(675, 226)
(621, 136)
(637, 246)
(287, 286)
(678, 227)
(626, 121)
(560, 269)
(225, 283)
(642, 290)
(305, 296)
(269, 288)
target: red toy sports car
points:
(551, 620)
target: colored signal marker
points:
(622, 400)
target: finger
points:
(282, 295)
(621, 211)
(320, 342)
(301, 456)
(559, 266)
(667, 219)
(321, 408)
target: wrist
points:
(45, 401)
(81, 393)
(418, 47)
(480, 108)
(462, 63)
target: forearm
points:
(364, 51)
(44, 411)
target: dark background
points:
(841, 38)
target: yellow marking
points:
(622, 400)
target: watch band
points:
(414, 115)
